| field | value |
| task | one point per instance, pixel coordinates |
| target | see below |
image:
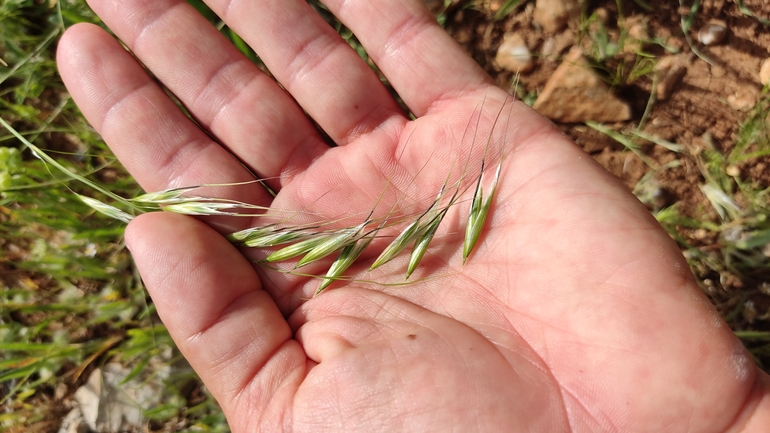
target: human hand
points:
(575, 313)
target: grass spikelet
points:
(164, 197)
(333, 243)
(416, 228)
(721, 201)
(405, 237)
(277, 238)
(297, 249)
(399, 244)
(347, 257)
(479, 211)
(106, 209)
(423, 240)
(475, 205)
(245, 235)
(208, 208)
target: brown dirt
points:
(697, 107)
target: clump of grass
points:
(735, 269)
(70, 298)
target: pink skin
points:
(575, 313)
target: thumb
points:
(210, 299)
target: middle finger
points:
(226, 93)
(320, 70)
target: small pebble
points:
(744, 99)
(513, 55)
(713, 33)
(764, 72)
(733, 170)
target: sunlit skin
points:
(575, 312)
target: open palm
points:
(575, 313)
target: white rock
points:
(575, 94)
(88, 396)
(109, 403)
(513, 54)
(744, 99)
(74, 423)
(713, 32)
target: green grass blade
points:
(47, 159)
(41, 46)
(506, 9)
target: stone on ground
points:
(575, 94)
(553, 15)
(513, 54)
(764, 72)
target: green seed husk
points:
(210, 207)
(198, 208)
(295, 250)
(478, 215)
(244, 235)
(332, 243)
(423, 240)
(277, 238)
(104, 208)
(403, 240)
(399, 244)
(167, 196)
(347, 257)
